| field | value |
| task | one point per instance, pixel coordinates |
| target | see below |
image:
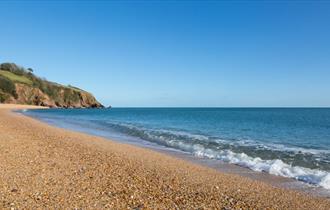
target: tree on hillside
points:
(12, 67)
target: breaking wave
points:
(237, 152)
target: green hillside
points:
(16, 78)
(20, 85)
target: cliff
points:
(20, 86)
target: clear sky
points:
(155, 53)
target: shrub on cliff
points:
(71, 96)
(12, 67)
(3, 97)
(7, 86)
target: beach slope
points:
(51, 168)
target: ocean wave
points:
(275, 167)
(166, 133)
(280, 147)
(208, 147)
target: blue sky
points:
(156, 53)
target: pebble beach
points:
(44, 167)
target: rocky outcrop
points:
(34, 96)
(30, 95)
(66, 98)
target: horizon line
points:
(233, 107)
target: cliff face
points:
(20, 86)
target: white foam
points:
(275, 167)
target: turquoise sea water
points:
(290, 142)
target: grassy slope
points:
(23, 79)
(75, 88)
(52, 89)
(16, 78)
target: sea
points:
(287, 142)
